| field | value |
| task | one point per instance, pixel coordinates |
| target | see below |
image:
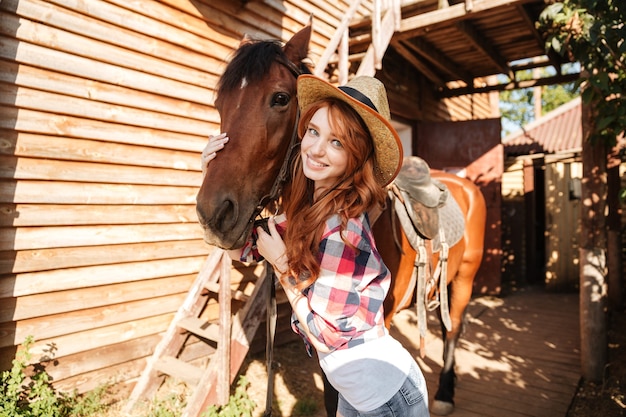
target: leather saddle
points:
(422, 195)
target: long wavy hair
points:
(356, 192)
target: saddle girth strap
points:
(443, 281)
(419, 267)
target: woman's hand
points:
(272, 247)
(216, 143)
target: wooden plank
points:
(208, 331)
(101, 336)
(53, 325)
(210, 26)
(66, 279)
(229, 15)
(423, 23)
(235, 295)
(51, 170)
(91, 109)
(84, 383)
(30, 192)
(223, 354)
(61, 40)
(76, 86)
(59, 148)
(525, 344)
(68, 126)
(36, 260)
(22, 238)
(100, 361)
(17, 215)
(121, 27)
(178, 369)
(41, 305)
(92, 69)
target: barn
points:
(106, 106)
(541, 188)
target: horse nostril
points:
(226, 216)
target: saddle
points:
(421, 194)
(432, 223)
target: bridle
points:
(273, 196)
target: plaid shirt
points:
(346, 300)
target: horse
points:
(256, 99)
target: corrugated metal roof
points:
(557, 131)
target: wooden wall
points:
(513, 216)
(104, 109)
(563, 225)
(560, 224)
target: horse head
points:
(256, 100)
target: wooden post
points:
(614, 223)
(593, 243)
(223, 346)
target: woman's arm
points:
(272, 247)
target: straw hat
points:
(368, 97)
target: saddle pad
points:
(452, 222)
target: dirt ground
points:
(606, 398)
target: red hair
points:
(355, 193)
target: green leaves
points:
(593, 33)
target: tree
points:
(516, 106)
(592, 32)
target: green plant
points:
(592, 33)
(87, 404)
(34, 396)
(239, 405)
(170, 406)
(305, 407)
(23, 398)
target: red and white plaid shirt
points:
(346, 300)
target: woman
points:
(325, 255)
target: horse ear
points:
(246, 39)
(297, 48)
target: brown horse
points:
(256, 99)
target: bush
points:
(21, 396)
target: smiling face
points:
(324, 158)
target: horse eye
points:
(280, 99)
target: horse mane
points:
(252, 61)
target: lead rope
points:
(270, 333)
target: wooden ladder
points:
(212, 384)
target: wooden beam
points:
(368, 65)
(534, 62)
(558, 79)
(421, 67)
(439, 60)
(555, 59)
(320, 67)
(418, 25)
(475, 38)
